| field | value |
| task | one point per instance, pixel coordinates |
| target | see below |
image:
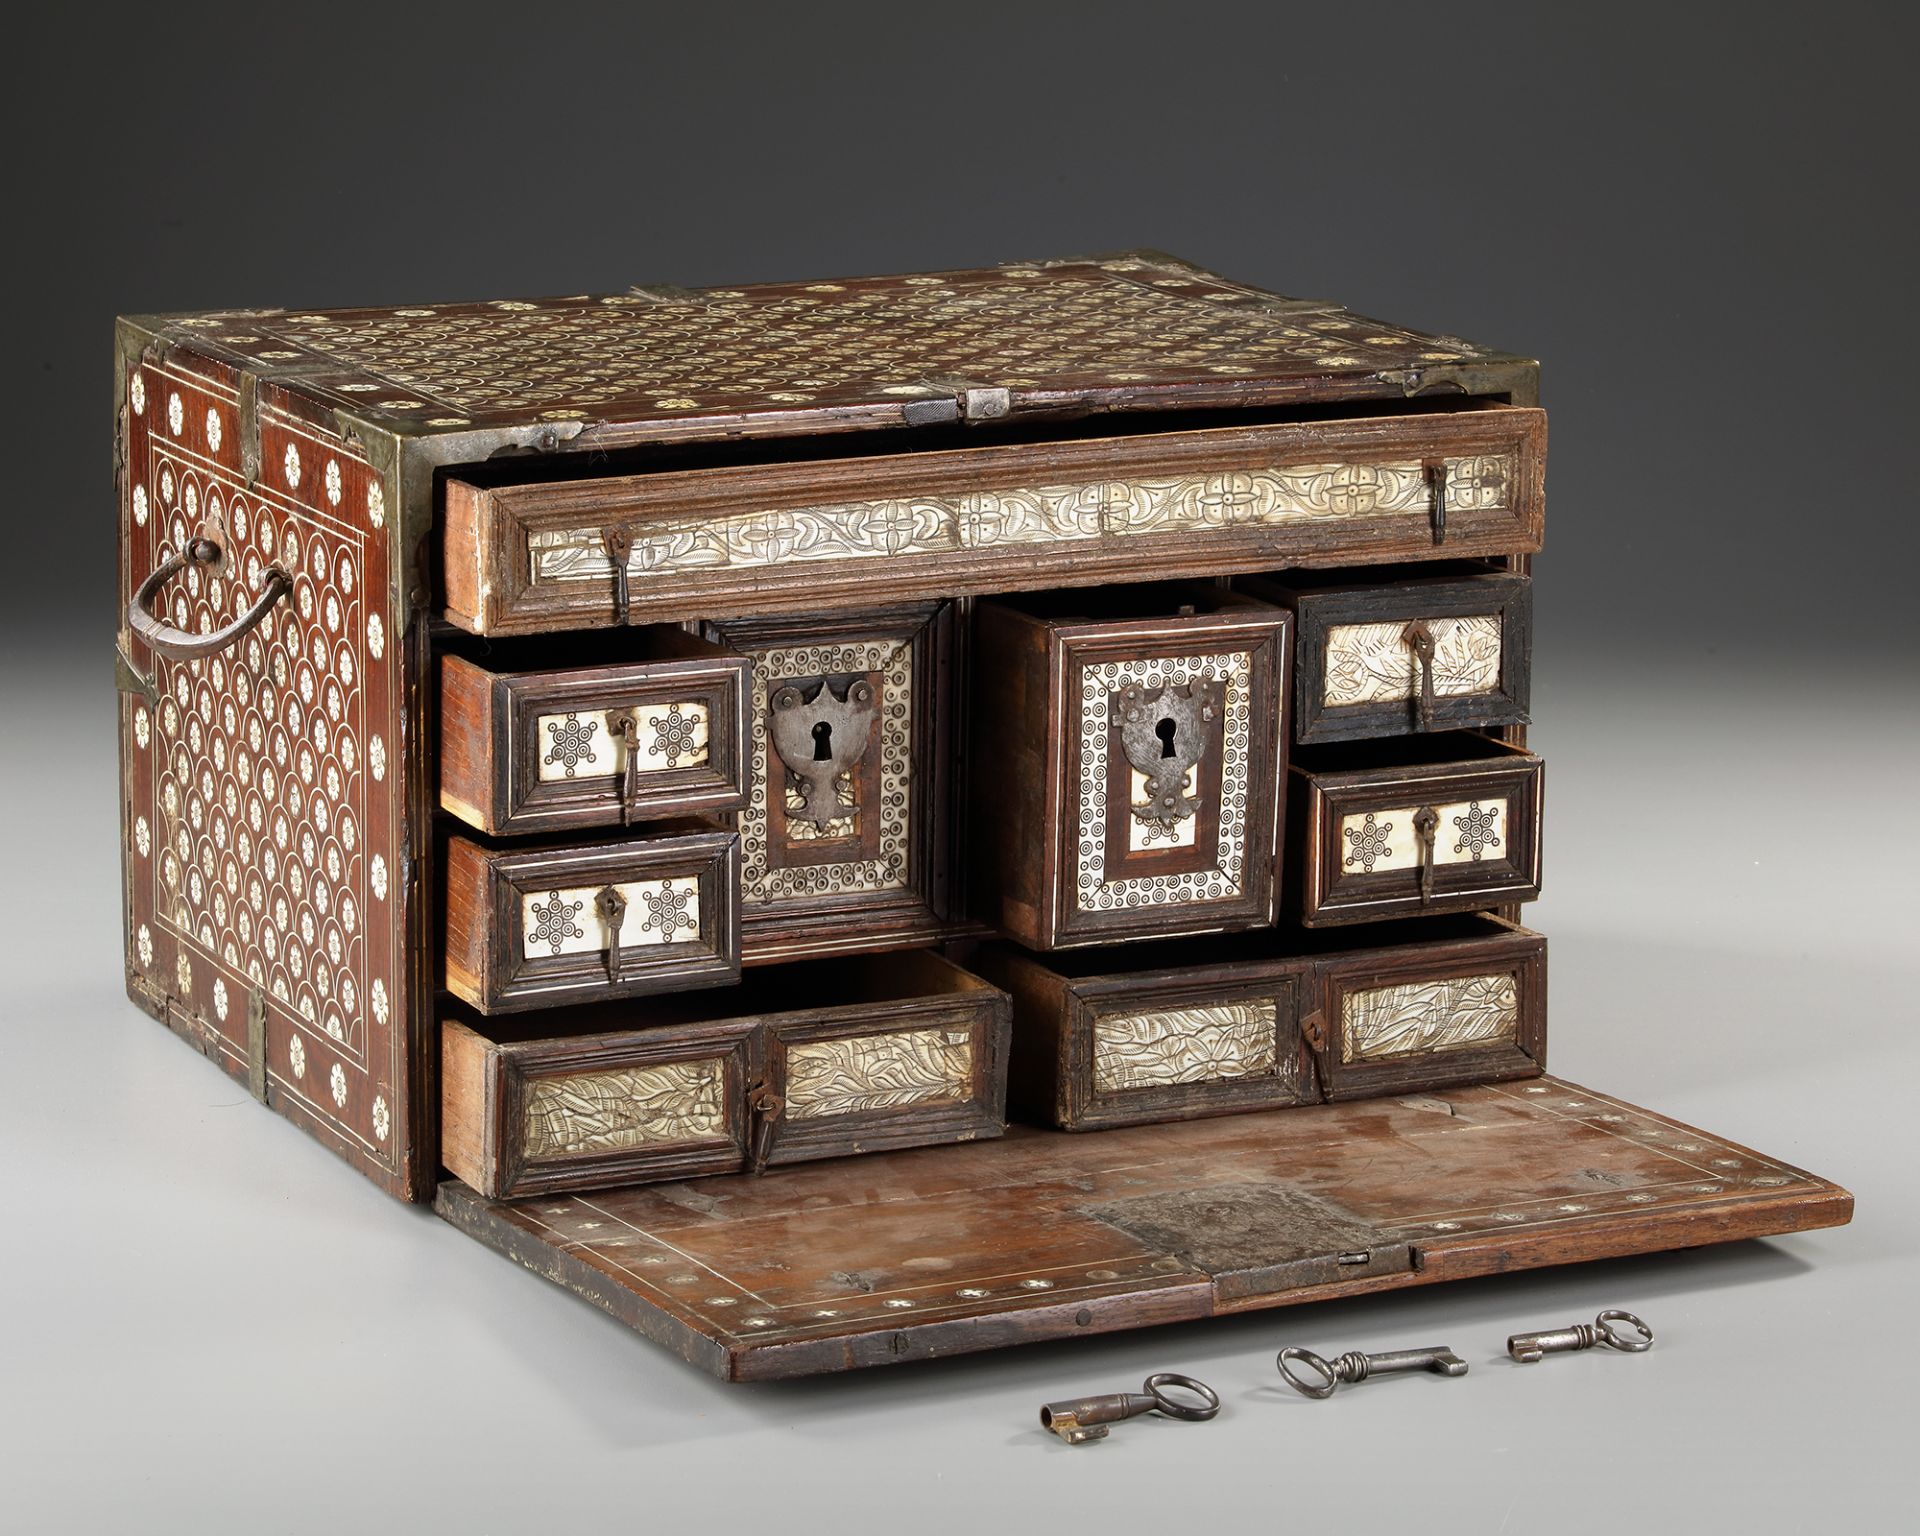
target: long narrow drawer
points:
(655, 731)
(1415, 655)
(1180, 1030)
(531, 927)
(1425, 824)
(763, 539)
(818, 1059)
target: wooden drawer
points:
(771, 538)
(1210, 1026)
(654, 730)
(1425, 824)
(530, 927)
(843, 836)
(1104, 1039)
(1468, 1005)
(1424, 653)
(1126, 758)
(806, 1061)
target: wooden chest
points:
(755, 735)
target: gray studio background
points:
(1702, 221)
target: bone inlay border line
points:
(1421, 1016)
(1029, 515)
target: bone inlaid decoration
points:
(1372, 663)
(1467, 832)
(593, 1112)
(1422, 1016)
(1218, 1043)
(761, 879)
(1048, 514)
(585, 744)
(1098, 683)
(865, 1072)
(566, 921)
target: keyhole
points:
(823, 741)
(1165, 730)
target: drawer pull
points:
(1425, 820)
(1419, 637)
(819, 738)
(612, 907)
(1436, 472)
(1313, 1029)
(1164, 732)
(180, 644)
(619, 546)
(627, 729)
(766, 1108)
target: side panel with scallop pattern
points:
(264, 788)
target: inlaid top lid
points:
(1135, 331)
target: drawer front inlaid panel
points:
(1101, 888)
(1370, 663)
(889, 1071)
(1415, 1017)
(566, 920)
(667, 736)
(1220, 1042)
(1387, 839)
(587, 1114)
(533, 927)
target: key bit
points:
(1081, 1419)
(1355, 1366)
(1529, 1347)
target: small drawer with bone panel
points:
(1404, 653)
(536, 739)
(528, 927)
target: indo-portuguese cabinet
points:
(666, 775)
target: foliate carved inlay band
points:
(1098, 683)
(1423, 1016)
(913, 1066)
(1217, 1043)
(1027, 515)
(762, 881)
(1372, 663)
(595, 1112)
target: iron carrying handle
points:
(182, 645)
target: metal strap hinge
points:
(257, 1044)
